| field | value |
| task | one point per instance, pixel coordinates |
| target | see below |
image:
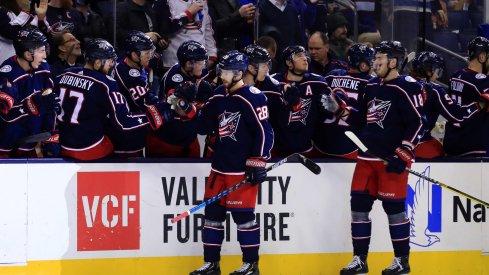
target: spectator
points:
(93, 24)
(137, 15)
(183, 21)
(233, 24)
(338, 35)
(285, 21)
(67, 51)
(367, 25)
(323, 61)
(63, 11)
(13, 17)
(270, 45)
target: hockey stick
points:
(35, 138)
(364, 149)
(309, 164)
(406, 60)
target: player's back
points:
(85, 102)
(466, 86)
(329, 137)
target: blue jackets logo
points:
(423, 205)
(303, 112)
(377, 110)
(228, 124)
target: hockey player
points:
(132, 76)
(245, 138)
(27, 104)
(329, 138)
(295, 122)
(427, 68)
(94, 110)
(177, 138)
(259, 64)
(391, 126)
(466, 86)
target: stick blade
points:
(356, 140)
(309, 164)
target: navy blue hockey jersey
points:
(466, 86)
(92, 106)
(329, 137)
(438, 102)
(389, 115)
(294, 130)
(241, 120)
(133, 85)
(18, 123)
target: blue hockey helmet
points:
(29, 39)
(289, 53)
(477, 45)
(428, 62)
(137, 41)
(233, 61)
(393, 49)
(99, 49)
(191, 51)
(359, 53)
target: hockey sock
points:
(399, 227)
(249, 240)
(361, 229)
(212, 236)
(360, 232)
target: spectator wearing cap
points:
(339, 42)
(322, 60)
(93, 24)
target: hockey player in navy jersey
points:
(245, 138)
(27, 104)
(177, 138)
(466, 87)
(427, 68)
(95, 118)
(329, 138)
(391, 126)
(294, 124)
(132, 77)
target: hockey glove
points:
(158, 114)
(51, 147)
(292, 97)
(398, 162)
(204, 91)
(255, 170)
(335, 102)
(187, 90)
(6, 101)
(183, 107)
(483, 102)
(42, 103)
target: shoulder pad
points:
(480, 76)
(110, 78)
(6, 68)
(134, 73)
(177, 78)
(254, 90)
(273, 80)
(409, 79)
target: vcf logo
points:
(423, 205)
(108, 211)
